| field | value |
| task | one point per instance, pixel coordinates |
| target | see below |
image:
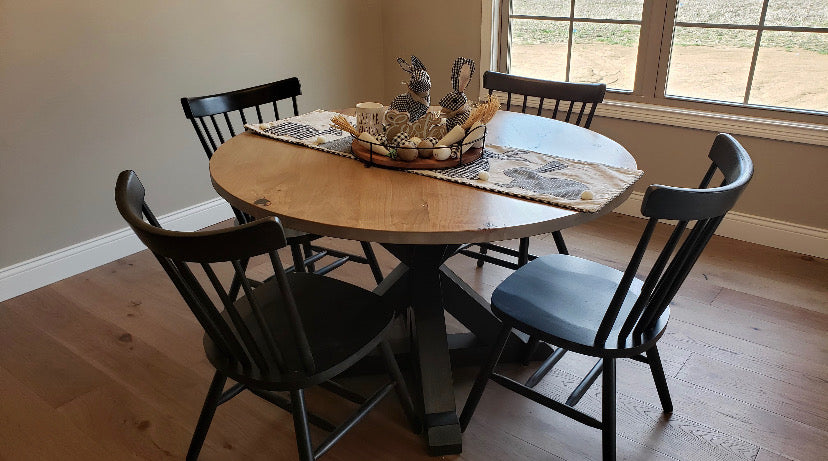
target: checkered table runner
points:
(517, 172)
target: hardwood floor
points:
(109, 365)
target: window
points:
(766, 58)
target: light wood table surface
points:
(420, 220)
(324, 194)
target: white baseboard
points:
(756, 229)
(66, 262)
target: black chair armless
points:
(220, 116)
(292, 332)
(580, 100)
(592, 309)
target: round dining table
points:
(422, 221)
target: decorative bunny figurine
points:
(455, 104)
(418, 97)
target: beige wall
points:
(91, 87)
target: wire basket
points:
(462, 153)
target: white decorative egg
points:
(441, 152)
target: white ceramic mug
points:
(369, 117)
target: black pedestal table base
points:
(430, 289)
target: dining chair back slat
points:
(585, 95)
(701, 210)
(233, 104)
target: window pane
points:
(720, 11)
(792, 71)
(609, 9)
(805, 13)
(539, 48)
(554, 8)
(604, 53)
(710, 69)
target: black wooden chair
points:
(220, 116)
(595, 310)
(580, 101)
(290, 333)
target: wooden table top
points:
(321, 193)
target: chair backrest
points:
(582, 98)
(698, 212)
(244, 332)
(220, 116)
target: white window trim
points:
(765, 128)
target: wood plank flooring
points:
(109, 365)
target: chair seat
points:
(343, 323)
(563, 298)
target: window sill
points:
(780, 130)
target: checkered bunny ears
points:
(461, 73)
(420, 82)
(416, 64)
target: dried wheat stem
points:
(342, 123)
(474, 116)
(492, 106)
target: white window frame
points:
(646, 105)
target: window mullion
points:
(569, 40)
(649, 39)
(504, 36)
(756, 50)
(663, 64)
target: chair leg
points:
(608, 410)
(300, 425)
(483, 376)
(585, 384)
(298, 258)
(211, 402)
(559, 242)
(306, 246)
(545, 367)
(483, 251)
(372, 261)
(660, 381)
(401, 387)
(523, 251)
